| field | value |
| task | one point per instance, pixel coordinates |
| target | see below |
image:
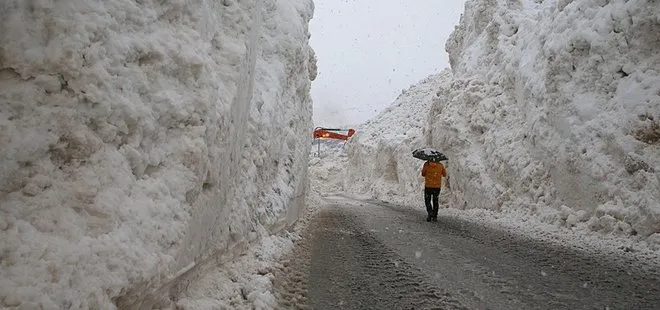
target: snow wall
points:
(380, 161)
(552, 112)
(141, 140)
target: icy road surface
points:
(371, 255)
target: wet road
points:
(380, 256)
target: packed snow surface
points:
(551, 113)
(140, 140)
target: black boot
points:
(429, 218)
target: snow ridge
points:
(138, 141)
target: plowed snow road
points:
(379, 256)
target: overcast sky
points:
(369, 50)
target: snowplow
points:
(333, 133)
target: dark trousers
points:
(431, 194)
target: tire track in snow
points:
(349, 268)
(290, 282)
(508, 271)
(369, 255)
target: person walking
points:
(432, 173)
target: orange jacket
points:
(433, 173)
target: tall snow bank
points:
(380, 161)
(554, 112)
(142, 139)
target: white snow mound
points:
(142, 139)
(552, 112)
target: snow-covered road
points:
(373, 255)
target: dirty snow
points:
(245, 283)
(138, 142)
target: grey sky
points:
(369, 50)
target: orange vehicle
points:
(333, 133)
